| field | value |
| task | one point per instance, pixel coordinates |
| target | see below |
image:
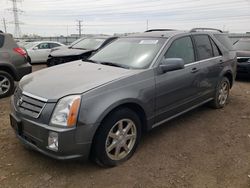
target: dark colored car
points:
(13, 64)
(79, 50)
(99, 107)
(243, 57)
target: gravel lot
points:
(203, 148)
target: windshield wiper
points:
(115, 65)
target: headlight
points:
(66, 111)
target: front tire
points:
(7, 84)
(117, 138)
(221, 94)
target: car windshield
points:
(76, 41)
(89, 44)
(136, 53)
(242, 45)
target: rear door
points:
(211, 64)
(177, 90)
(42, 52)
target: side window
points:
(43, 46)
(53, 45)
(181, 48)
(203, 46)
(215, 48)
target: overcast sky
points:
(58, 17)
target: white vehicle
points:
(39, 51)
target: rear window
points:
(225, 41)
(1, 41)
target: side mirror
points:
(172, 64)
(35, 48)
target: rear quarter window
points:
(203, 47)
(1, 41)
(225, 41)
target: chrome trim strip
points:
(196, 62)
(180, 113)
(34, 96)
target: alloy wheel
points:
(4, 85)
(121, 139)
(223, 93)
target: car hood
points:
(72, 78)
(68, 52)
(243, 53)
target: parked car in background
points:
(39, 51)
(67, 46)
(99, 107)
(81, 49)
(243, 57)
(13, 64)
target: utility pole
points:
(79, 27)
(4, 24)
(16, 13)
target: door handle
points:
(194, 70)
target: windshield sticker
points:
(148, 42)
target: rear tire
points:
(221, 94)
(7, 84)
(117, 138)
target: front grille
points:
(28, 105)
(243, 59)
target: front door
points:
(177, 90)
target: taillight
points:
(20, 51)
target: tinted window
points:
(215, 48)
(203, 46)
(53, 45)
(43, 46)
(1, 41)
(181, 48)
(224, 40)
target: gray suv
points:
(98, 108)
(13, 64)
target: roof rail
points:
(204, 28)
(152, 30)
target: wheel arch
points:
(229, 76)
(132, 105)
(9, 69)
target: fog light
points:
(53, 141)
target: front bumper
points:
(35, 136)
(243, 69)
